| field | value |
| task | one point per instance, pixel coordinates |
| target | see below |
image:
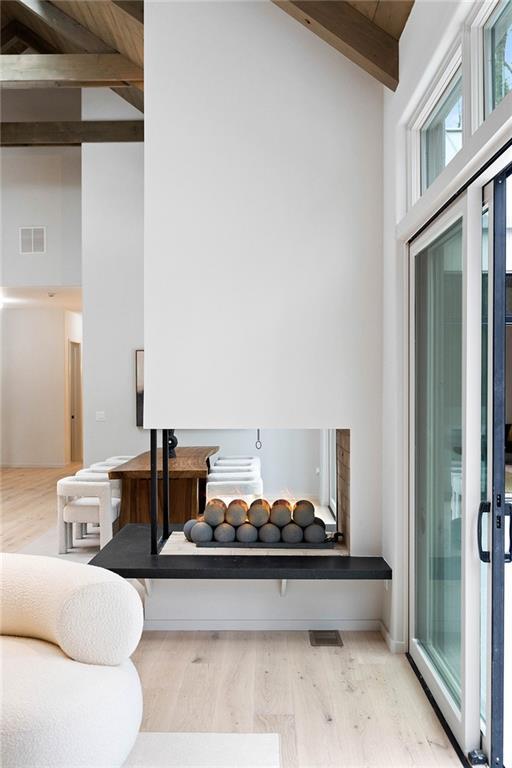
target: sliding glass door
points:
(444, 495)
(438, 472)
(461, 465)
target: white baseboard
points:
(262, 624)
(395, 646)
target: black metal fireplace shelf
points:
(127, 555)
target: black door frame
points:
(499, 508)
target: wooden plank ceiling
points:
(366, 31)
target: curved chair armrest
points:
(94, 615)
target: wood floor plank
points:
(28, 503)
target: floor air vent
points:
(328, 637)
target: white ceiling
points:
(63, 298)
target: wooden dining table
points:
(187, 485)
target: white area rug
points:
(205, 750)
(48, 544)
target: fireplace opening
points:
(265, 489)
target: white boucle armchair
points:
(70, 694)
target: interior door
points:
(445, 439)
(75, 399)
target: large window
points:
(498, 55)
(441, 134)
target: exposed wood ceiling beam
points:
(110, 23)
(15, 46)
(70, 133)
(69, 69)
(351, 33)
(65, 25)
(133, 8)
(8, 33)
(132, 95)
(80, 37)
(10, 41)
(15, 30)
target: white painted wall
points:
(112, 247)
(258, 604)
(263, 233)
(112, 273)
(40, 186)
(33, 387)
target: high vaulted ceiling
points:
(76, 42)
(85, 43)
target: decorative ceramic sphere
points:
(319, 521)
(303, 513)
(236, 513)
(187, 528)
(201, 532)
(281, 513)
(292, 533)
(259, 512)
(269, 533)
(247, 533)
(224, 533)
(314, 534)
(215, 512)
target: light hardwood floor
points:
(28, 503)
(358, 706)
(353, 707)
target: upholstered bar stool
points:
(86, 475)
(115, 460)
(82, 501)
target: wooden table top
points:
(190, 461)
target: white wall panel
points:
(263, 165)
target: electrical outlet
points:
(100, 416)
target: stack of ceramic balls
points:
(260, 522)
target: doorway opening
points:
(41, 408)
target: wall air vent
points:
(32, 240)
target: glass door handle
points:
(508, 513)
(483, 509)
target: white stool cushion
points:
(94, 615)
(59, 713)
(237, 462)
(236, 488)
(232, 476)
(236, 468)
(237, 457)
(98, 477)
(86, 510)
(100, 466)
